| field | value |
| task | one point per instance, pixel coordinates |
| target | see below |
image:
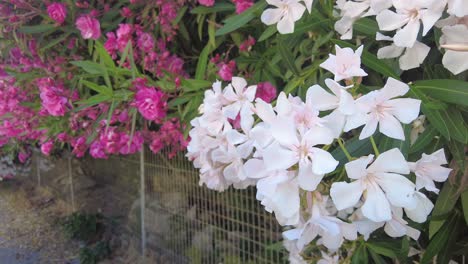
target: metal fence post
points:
(142, 201)
(70, 176)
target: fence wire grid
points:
(184, 222)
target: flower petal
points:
(405, 109)
(357, 169)
(390, 161)
(346, 195)
(277, 157)
(398, 189)
(391, 127)
(406, 36)
(376, 207)
(271, 16)
(306, 178)
(323, 162)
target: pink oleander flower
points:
(266, 91)
(57, 11)
(47, 147)
(145, 42)
(226, 70)
(52, 97)
(24, 156)
(135, 145)
(242, 5)
(97, 150)
(89, 27)
(79, 146)
(150, 103)
(206, 2)
(247, 44)
(126, 12)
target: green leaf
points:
(455, 124)
(434, 116)
(194, 85)
(441, 239)
(89, 66)
(458, 152)
(101, 89)
(376, 257)
(180, 14)
(464, 199)
(237, 21)
(56, 41)
(450, 91)
(360, 256)
(305, 27)
(366, 26)
(218, 7)
(424, 139)
(445, 203)
(270, 31)
(355, 147)
(371, 61)
(104, 56)
(94, 100)
(287, 57)
(37, 28)
(387, 249)
(387, 143)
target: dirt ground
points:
(29, 228)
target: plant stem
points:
(348, 156)
(374, 146)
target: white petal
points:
(357, 169)
(405, 109)
(318, 136)
(323, 162)
(346, 105)
(264, 110)
(406, 36)
(239, 84)
(422, 210)
(398, 189)
(391, 127)
(307, 179)
(277, 157)
(250, 92)
(414, 56)
(389, 20)
(376, 207)
(285, 25)
(393, 88)
(388, 52)
(335, 122)
(455, 62)
(370, 127)
(395, 229)
(284, 131)
(429, 18)
(271, 16)
(390, 161)
(297, 10)
(255, 168)
(234, 137)
(231, 111)
(321, 99)
(346, 195)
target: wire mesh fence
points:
(181, 221)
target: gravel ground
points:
(29, 232)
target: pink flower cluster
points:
(89, 27)
(150, 102)
(58, 12)
(152, 55)
(53, 98)
(169, 136)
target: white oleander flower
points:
(346, 64)
(454, 40)
(286, 13)
(428, 169)
(381, 185)
(380, 108)
(411, 58)
(332, 230)
(351, 11)
(408, 18)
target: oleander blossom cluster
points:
(406, 19)
(282, 150)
